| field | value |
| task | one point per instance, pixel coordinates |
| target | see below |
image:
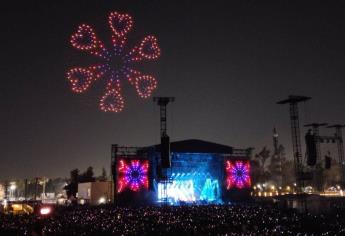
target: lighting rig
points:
(162, 102)
(300, 174)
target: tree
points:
(74, 176)
(275, 166)
(288, 176)
(281, 153)
(55, 185)
(277, 159)
(103, 176)
(72, 187)
(89, 173)
(255, 171)
(262, 157)
(87, 176)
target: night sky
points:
(226, 63)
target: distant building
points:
(95, 193)
(276, 160)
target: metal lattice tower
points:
(296, 134)
(339, 140)
(163, 102)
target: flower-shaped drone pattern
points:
(116, 64)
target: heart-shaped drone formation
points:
(120, 24)
(80, 79)
(149, 48)
(84, 38)
(145, 85)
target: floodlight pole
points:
(296, 135)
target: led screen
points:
(237, 174)
(132, 175)
(190, 188)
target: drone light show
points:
(237, 174)
(116, 64)
(133, 175)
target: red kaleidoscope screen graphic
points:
(237, 174)
(132, 175)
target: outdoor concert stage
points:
(201, 173)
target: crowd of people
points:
(178, 220)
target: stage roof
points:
(197, 146)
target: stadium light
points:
(13, 187)
(45, 211)
(101, 200)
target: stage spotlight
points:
(45, 210)
(102, 200)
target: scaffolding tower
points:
(296, 136)
(318, 180)
(162, 102)
(339, 140)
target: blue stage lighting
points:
(210, 192)
(190, 189)
(194, 178)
